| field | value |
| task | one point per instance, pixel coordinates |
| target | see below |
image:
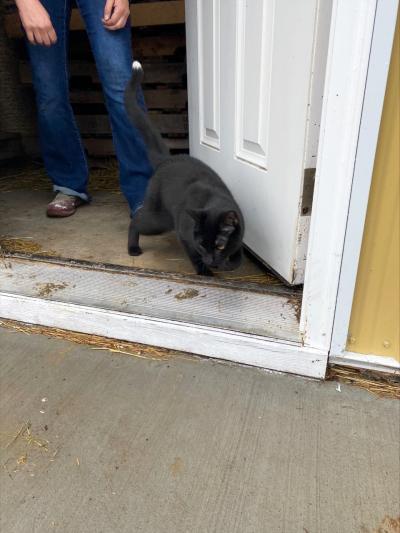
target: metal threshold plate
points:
(245, 310)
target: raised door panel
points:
(254, 31)
(209, 71)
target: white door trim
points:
(366, 361)
(371, 117)
(348, 60)
(202, 340)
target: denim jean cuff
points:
(135, 209)
(65, 190)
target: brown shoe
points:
(63, 205)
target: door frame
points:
(381, 50)
(351, 38)
(356, 38)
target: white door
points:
(255, 74)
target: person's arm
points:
(36, 22)
(116, 13)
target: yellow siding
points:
(375, 319)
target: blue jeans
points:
(61, 144)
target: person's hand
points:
(116, 13)
(36, 22)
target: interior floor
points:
(97, 232)
(97, 441)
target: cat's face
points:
(217, 239)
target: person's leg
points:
(113, 54)
(61, 145)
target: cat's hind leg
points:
(133, 239)
(146, 222)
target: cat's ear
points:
(197, 215)
(230, 218)
(228, 224)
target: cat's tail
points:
(157, 149)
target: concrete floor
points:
(98, 233)
(187, 445)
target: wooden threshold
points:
(177, 314)
(155, 294)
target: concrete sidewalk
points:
(123, 444)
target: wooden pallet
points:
(100, 125)
(162, 98)
(95, 147)
(167, 104)
(162, 51)
(105, 148)
(10, 146)
(158, 73)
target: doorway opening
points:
(59, 259)
(25, 187)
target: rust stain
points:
(295, 303)
(47, 289)
(186, 294)
(177, 467)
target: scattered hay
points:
(27, 439)
(34, 441)
(97, 342)
(262, 278)
(186, 294)
(383, 385)
(28, 176)
(21, 430)
(34, 178)
(47, 289)
(23, 245)
(389, 524)
(22, 460)
(25, 434)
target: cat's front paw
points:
(135, 250)
(205, 271)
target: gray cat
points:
(187, 196)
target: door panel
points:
(250, 73)
(209, 72)
(254, 31)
